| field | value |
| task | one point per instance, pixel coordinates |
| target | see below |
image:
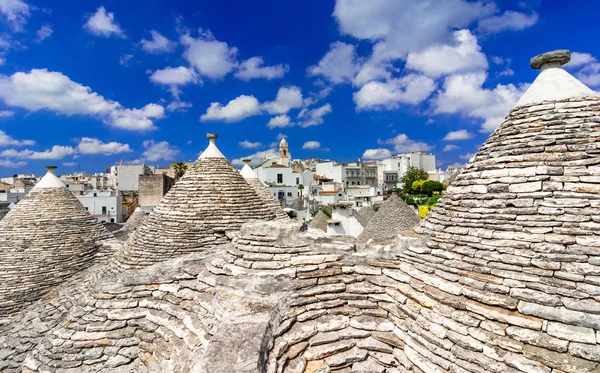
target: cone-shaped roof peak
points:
(211, 150)
(49, 180)
(553, 83)
(246, 171)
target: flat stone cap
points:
(212, 136)
(50, 168)
(560, 56)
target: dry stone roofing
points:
(210, 199)
(44, 239)
(392, 218)
(261, 190)
(364, 215)
(504, 279)
(319, 221)
(136, 219)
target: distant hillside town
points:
(299, 185)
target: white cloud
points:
(450, 147)
(103, 24)
(377, 154)
(43, 33)
(175, 76)
(125, 59)
(212, 58)
(410, 89)
(16, 13)
(252, 68)
(6, 140)
(41, 89)
(70, 164)
(312, 145)
(464, 94)
(89, 145)
(313, 117)
(178, 105)
(158, 44)
(255, 158)
(287, 98)
(156, 151)
(57, 152)
(441, 59)
(237, 109)
(579, 59)
(371, 71)
(11, 164)
(402, 144)
(458, 135)
(509, 20)
(6, 113)
(401, 26)
(281, 136)
(467, 157)
(339, 65)
(250, 145)
(590, 74)
(280, 121)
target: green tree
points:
(413, 174)
(300, 188)
(431, 186)
(179, 168)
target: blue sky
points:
(84, 84)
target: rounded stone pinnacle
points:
(212, 136)
(50, 168)
(246, 161)
(561, 56)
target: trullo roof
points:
(262, 191)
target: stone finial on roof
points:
(49, 180)
(212, 151)
(50, 169)
(246, 171)
(557, 57)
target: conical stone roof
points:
(319, 221)
(47, 237)
(509, 278)
(136, 219)
(392, 218)
(262, 190)
(210, 199)
(364, 215)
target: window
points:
(279, 178)
(358, 183)
(289, 194)
(103, 210)
(86, 209)
(297, 181)
(95, 194)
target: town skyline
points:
(83, 86)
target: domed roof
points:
(261, 190)
(210, 199)
(47, 237)
(511, 257)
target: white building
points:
(342, 221)
(104, 205)
(127, 175)
(391, 170)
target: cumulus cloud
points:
(11, 164)
(253, 68)
(442, 59)
(125, 59)
(509, 20)
(89, 145)
(250, 145)
(70, 164)
(103, 24)
(409, 89)
(16, 13)
(450, 147)
(157, 44)
(311, 145)
(43, 33)
(156, 151)
(372, 71)
(464, 94)
(280, 121)
(57, 152)
(6, 140)
(41, 89)
(6, 113)
(313, 117)
(212, 58)
(458, 135)
(237, 109)
(380, 153)
(174, 76)
(579, 59)
(339, 65)
(403, 144)
(287, 98)
(255, 158)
